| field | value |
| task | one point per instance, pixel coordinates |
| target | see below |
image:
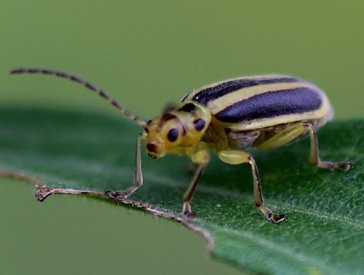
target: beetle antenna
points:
(86, 84)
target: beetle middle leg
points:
(202, 158)
(238, 157)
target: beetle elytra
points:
(227, 117)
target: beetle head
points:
(177, 130)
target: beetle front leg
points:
(315, 157)
(239, 157)
(138, 176)
(202, 158)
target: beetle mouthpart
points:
(152, 155)
(155, 150)
(152, 148)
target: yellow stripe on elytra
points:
(229, 99)
(322, 115)
(257, 77)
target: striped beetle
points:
(226, 117)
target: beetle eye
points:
(172, 135)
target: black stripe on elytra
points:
(211, 93)
(272, 104)
(188, 108)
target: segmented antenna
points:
(86, 84)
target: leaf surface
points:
(324, 232)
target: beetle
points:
(227, 117)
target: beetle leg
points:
(138, 176)
(295, 131)
(287, 135)
(239, 157)
(202, 158)
(315, 157)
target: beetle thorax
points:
(177, 131)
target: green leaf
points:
(324, 232)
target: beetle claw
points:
(190, 215)
(115, 195)
(187, 212)
(278, 218)
(344, 165)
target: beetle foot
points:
(278, 218)
(344, 165)
(43, 192)
(120, 195)
(187, 212)
(340, 165)
(190, 215)
(116, 195)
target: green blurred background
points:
(145, 54)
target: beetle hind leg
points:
(294, 132)
(315, 157)
(239, 157)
